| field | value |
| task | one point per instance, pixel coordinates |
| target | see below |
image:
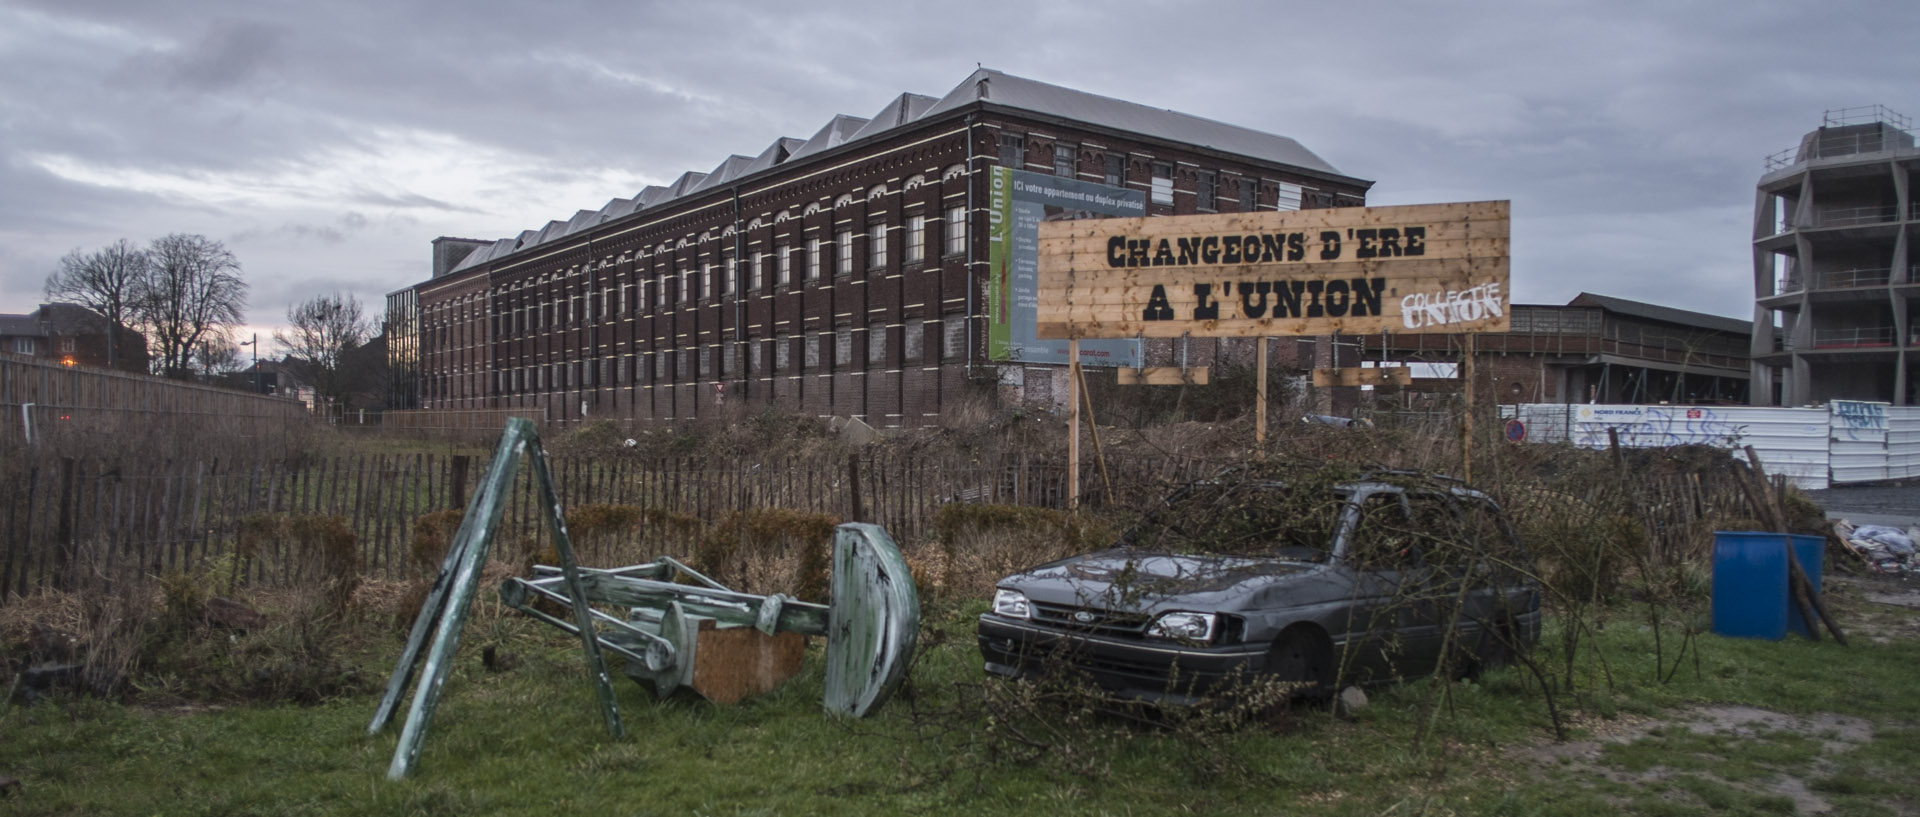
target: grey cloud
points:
(1629, 134)
(227, 54)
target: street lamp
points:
(255, 343)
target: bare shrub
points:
(770, 550)
(979, 543)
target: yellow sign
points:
(1361, 270)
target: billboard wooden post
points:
(1260, 402)
(1466, 422)
(1073, 423)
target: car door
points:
(1389, 622)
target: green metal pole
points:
(473, 545)
(582, 616)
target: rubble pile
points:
(1886, 549)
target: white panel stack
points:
(1903, 442)
(1858, 441)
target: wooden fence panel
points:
(151, 518)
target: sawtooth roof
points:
(985, 86)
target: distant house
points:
(71, 334)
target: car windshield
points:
(1243, 519)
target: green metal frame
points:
(445, 610)
(870, 625)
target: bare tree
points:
(110, 280)
(218, 355)
(194, 289)
(323, 331)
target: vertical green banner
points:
(999, 263)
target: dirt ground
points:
(1880, 609)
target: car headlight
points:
(1012, 604)
(1183, 626)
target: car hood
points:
(1150, 581)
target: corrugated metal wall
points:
(1849, 441)
(1858, 441)
(1793, 442)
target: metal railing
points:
(1859, 336)
(1864, 114)
(1855, 278)
(1851, 216)
(1896, 134)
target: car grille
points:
(1090, 619)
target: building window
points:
(953, 339)
(843, 252)
(843, 346)
(1162, 187)
(813, 259)
(66, 345)
(1013, 151)
(1064, 160)
(876, 344)
(1116, 169)
(23, 346)
(1289, 198)
(877, 245)
(783, 265)
(1249, 195)
(686, 284)
(811, 350)
(956, 226)
(783, 353)
(913, 340)
(706, 280)
(916, 249)
(1206, 189)
(759, 271)
(756, 356)
(730, 267)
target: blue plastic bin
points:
(1750, 597)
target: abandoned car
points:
(1392, 575)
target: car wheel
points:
(1301, 656)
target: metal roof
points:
(837, 132)
(985, 86)
(781, 149)
(1666, 314)
(1008, 91)
(903, 109)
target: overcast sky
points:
(327, 143)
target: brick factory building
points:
(852, 273)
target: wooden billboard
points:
(1359, 270)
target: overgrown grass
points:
(528, 740)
